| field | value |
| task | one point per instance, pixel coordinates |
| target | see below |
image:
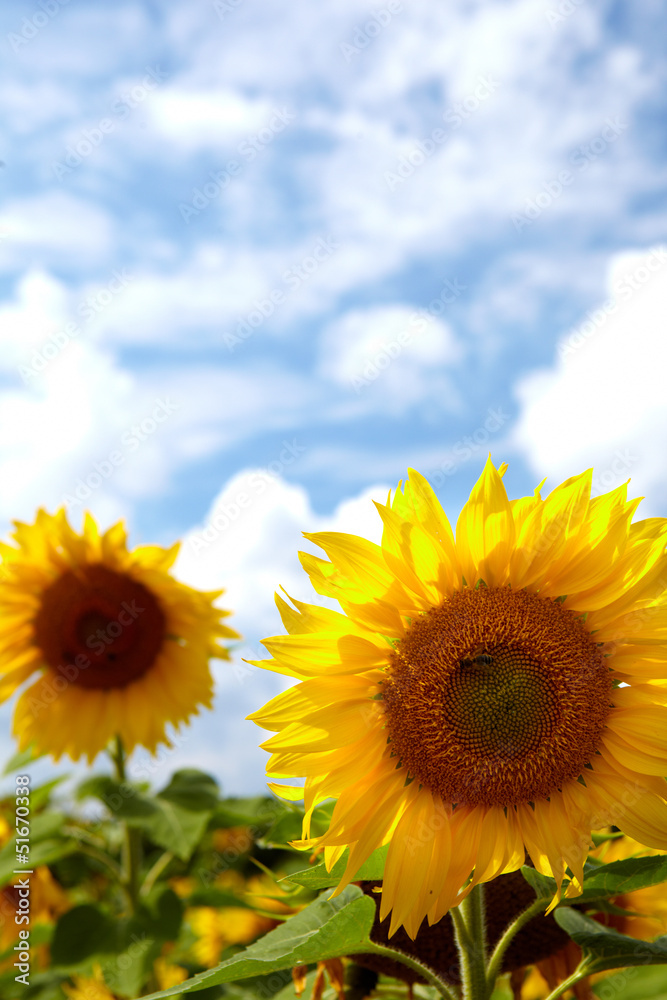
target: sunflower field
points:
(466, 793)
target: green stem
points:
(131, 836)
(154, 873)
(413, 963)
(496, 960)
(472, 944)
(567, 983)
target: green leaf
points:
(42, 851)
(80, 933)
(166, 822)
(604, 881)
(327, 928)
(318, 877)
(176, 829)
(39, 796)
(192, 790)
(604, 948)
(635, 984)
(126, 973)
(18, 762)
(162, 913)
(543, 886)
(258, 812)
(289, 826)
(625, 876)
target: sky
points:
(258, 258)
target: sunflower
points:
(119, 646)
(482, 695)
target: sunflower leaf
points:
(192, 790)
(317, 877)
(327, 928)
(46, 846)
(604, 881)
(604, 948)
(625, 876)
(164, 818)
(80, 933)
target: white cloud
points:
(603, 402)
(250, 540)
(194, 119)
(39, 310)
(54, 228)
(397, 347)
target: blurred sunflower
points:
(216, 928)
(465, 707)
(119, 645)
(88, 987)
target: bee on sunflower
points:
(483, 695)
(115, 645)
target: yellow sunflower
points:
(120, 647)
(467, 706)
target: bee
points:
(478, 658)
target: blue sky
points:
(286, 250)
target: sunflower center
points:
(496, 697)
(99, 628)
(500, 705)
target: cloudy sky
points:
(282, 251)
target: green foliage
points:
(604, 881)
(81, 933)
(604, 948)
(317, 877)
(125, 915)
(175, 818)
(327, 928)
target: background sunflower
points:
(119, 647)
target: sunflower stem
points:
(155, 872)
(470, 933)
(413, 963)
(495, 962)
(572, 980)
(131, 855)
